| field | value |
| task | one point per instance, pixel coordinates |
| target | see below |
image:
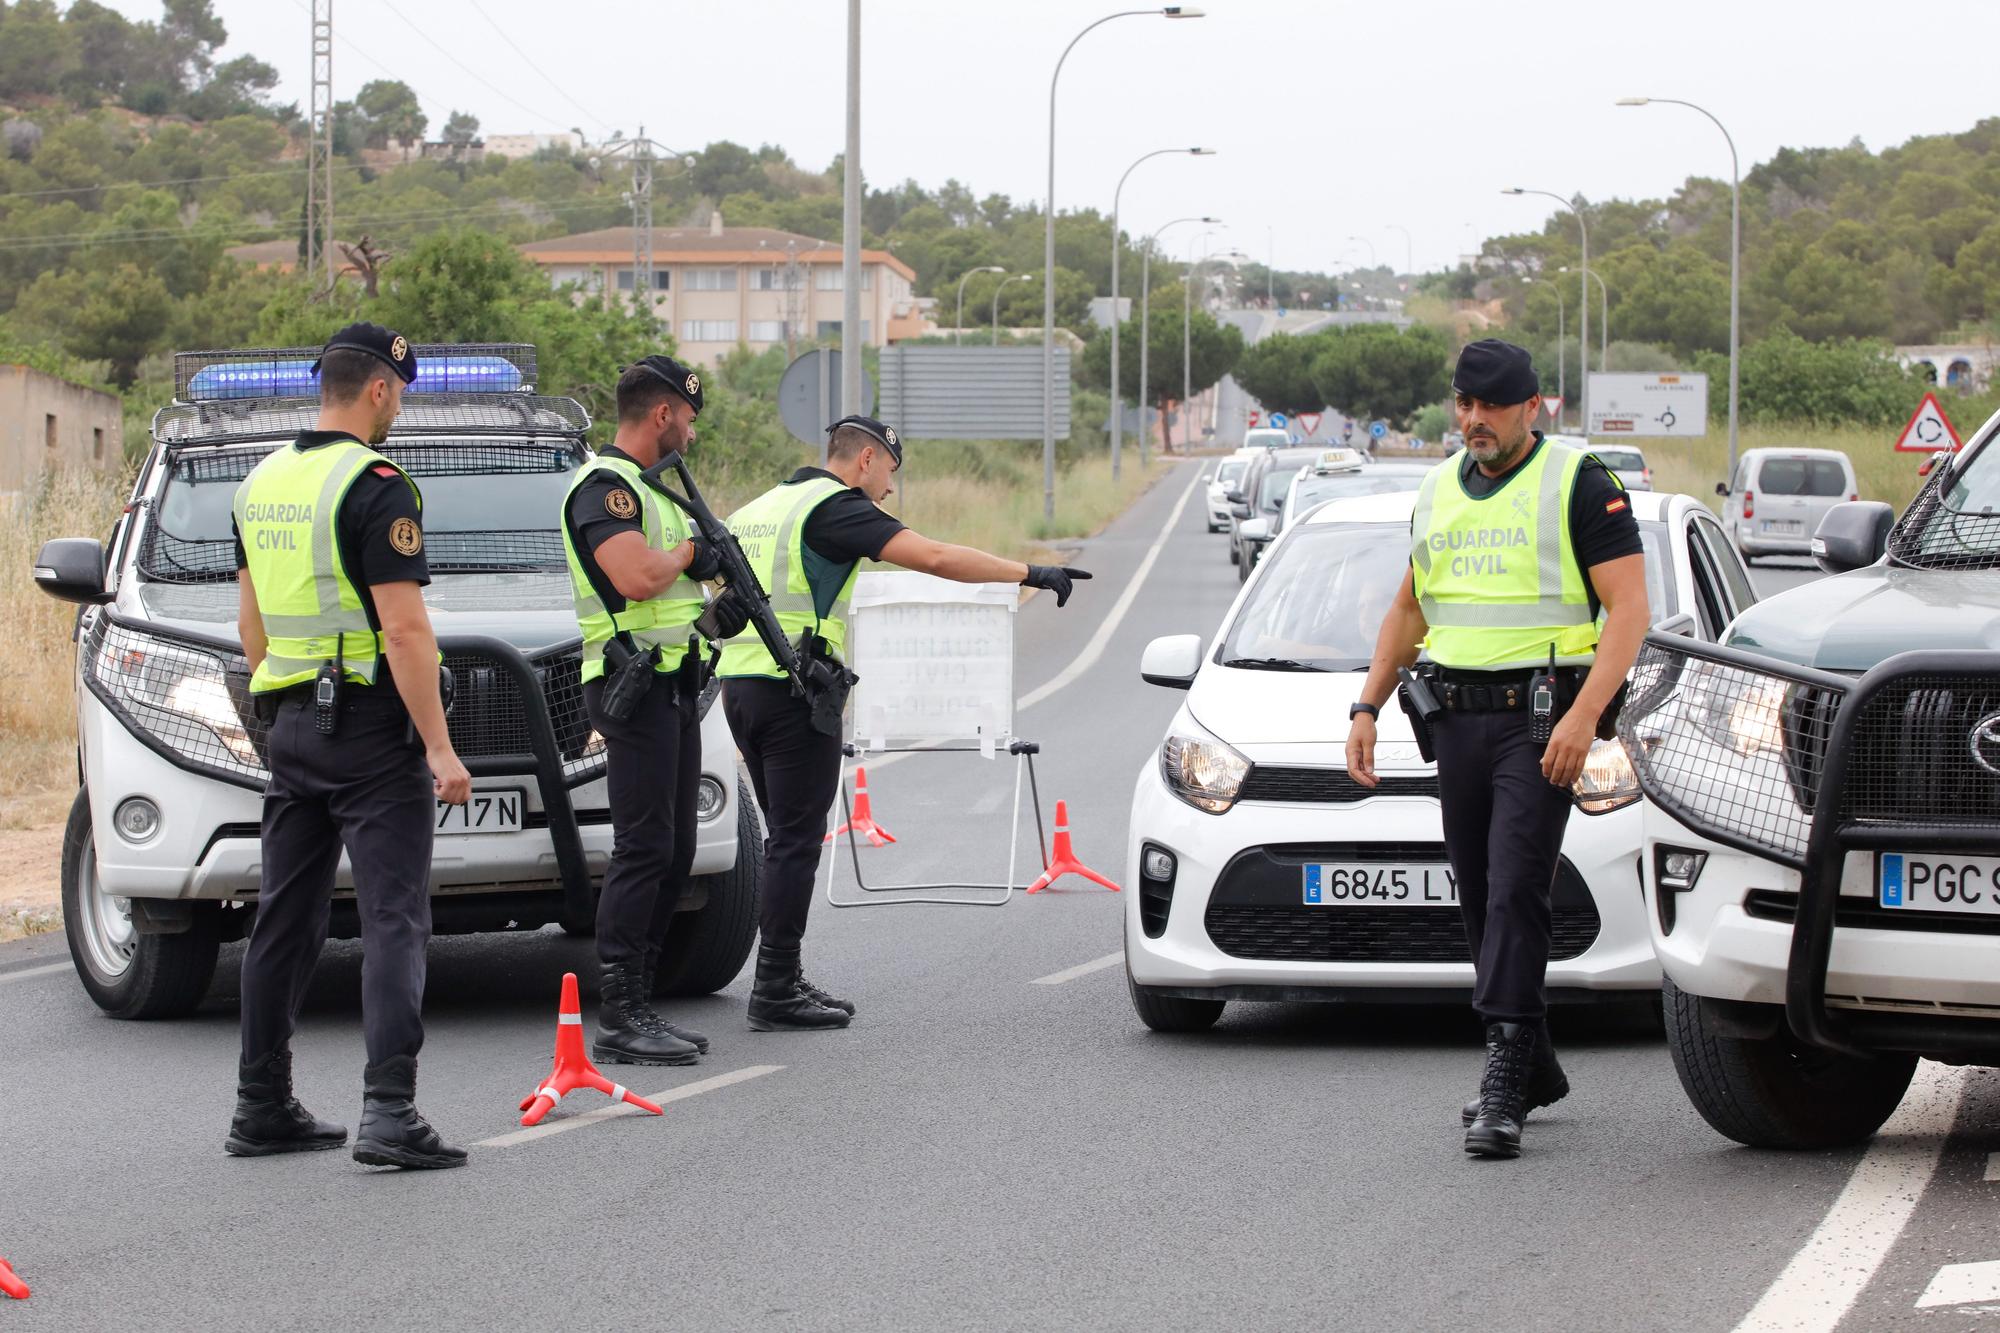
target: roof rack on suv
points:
(179, 425)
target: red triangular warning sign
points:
(1552, 404)
(1929, 430)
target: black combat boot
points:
(776, 1002)
(628, 1031)
(820, 997)
(269, 1119)
(647, 974)
(393, 1133)
(1510, 1056)
(1547, 1084)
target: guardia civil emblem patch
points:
(405, 537)
(620, 504)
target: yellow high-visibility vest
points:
(772, 532)
(661, 622)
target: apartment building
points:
(718, 286)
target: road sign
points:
(1658, 405)
(1279, 421)
(1255, 417)
(1929, 430)
(1377, 429)
(1552, 403)
(1309, 422)
(1347, 429)
(809, 396)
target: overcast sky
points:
(1332, 118)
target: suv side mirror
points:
(1852, 535)
(1240, 509)
(71, 569)
(1254, 529)
(1171, 661)
(1722, 488)
(1233, 495)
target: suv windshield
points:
(488, 505)
(1954, 523)
(1802, 476)
(1362, 481)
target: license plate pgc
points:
(484, 812)
(1925, 882)
(1380, 884)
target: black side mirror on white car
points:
(1852, 535)
(1171, 661)
(71, 569)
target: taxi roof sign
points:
(1338, 460)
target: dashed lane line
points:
(1080, 970)
(1962, 1284)
(1993, 1166)
(28, 973)
(617, 1109)
(1823, 1280)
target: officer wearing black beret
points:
(805, 539)
(1527, 593)
(636, 573)
(330, 564)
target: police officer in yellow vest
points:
(805, 539)
(636, 573)
(1527, 590)
(330, 568)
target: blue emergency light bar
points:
(288, 372)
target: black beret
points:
(1496, 372)
(675, 376)
(869, 425)
(392, 349)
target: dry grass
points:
(1695, 466)
(1004, 514)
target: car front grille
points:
(489, 721)
(1916, 752)
(1326, 786)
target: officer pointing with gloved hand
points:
(330, 572)
(804, 540)
(636, 574)
(1527, 588)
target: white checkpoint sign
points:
(936, 659)
(1669, 405)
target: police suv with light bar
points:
(161, 856)
(1822, 858)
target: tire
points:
(127, 974)
(1774, 1092)
(1234, 554)
(707, 948)
(1172, 1013)
(1243, 568)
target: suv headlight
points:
(1201, 770)
(173, 693)
(1607, 782)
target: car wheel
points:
(1234, 555)
(1171, 1013)
(127, 974)
(706, 948)
(1244, 565)
(1776, 1092)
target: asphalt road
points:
(996, 1143)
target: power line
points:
(553, 82)
(446, 52)
(305, 8)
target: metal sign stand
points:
(1025, 752)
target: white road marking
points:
(27, 972)
(1993, 1166)
(1093, 650)
(1962, 1284)
(613, 1110)
(1080, 970)
(1823, 1280)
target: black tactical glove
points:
(1058, 579)
(707, 563)
(725, 617)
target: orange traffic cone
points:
(1064, 862)
(864, 816)
(572, 1068)
(10, 1284)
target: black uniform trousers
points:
(653, 772)
(795, 771)
(1503, 830)
(367, 788)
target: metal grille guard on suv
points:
(185, 696)
(1802, 766)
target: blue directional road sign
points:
(1280, 420)
(1377, 429)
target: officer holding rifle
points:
(803, 541)
(636, 572)
(1527, 588)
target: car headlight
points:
(1607, 782)
(175, 695)
(1202, 771)
(1742, 711)
(206, 699)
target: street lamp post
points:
(1187, 341)
(1583, 320)
(1735, 251)
(1017, 277)
(1146, 327)
(1409, 251)
(1604, 310)
(1117, 394)
(958, 326)
(1562, 359)
(1049, 257)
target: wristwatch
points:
(1356, 710)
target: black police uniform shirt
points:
(602, 506)
(844, 529)
(372, 546)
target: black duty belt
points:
(1490, 691)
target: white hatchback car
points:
(1248, 796)
(1227, 473)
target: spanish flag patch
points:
(1613, 506)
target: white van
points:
(1775, 501)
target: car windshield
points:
(1954, 523)
(1621, 460)
(1363, 481)
(1321, 601)
(1230, 469)
(488, 505)
(1802, 476)
(1271, 491)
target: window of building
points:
(711, 279)
(49, 430)
(767, 330)
(97, 443)
(829, 278)
(708, 330)
(767, 280)
(625, 279)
